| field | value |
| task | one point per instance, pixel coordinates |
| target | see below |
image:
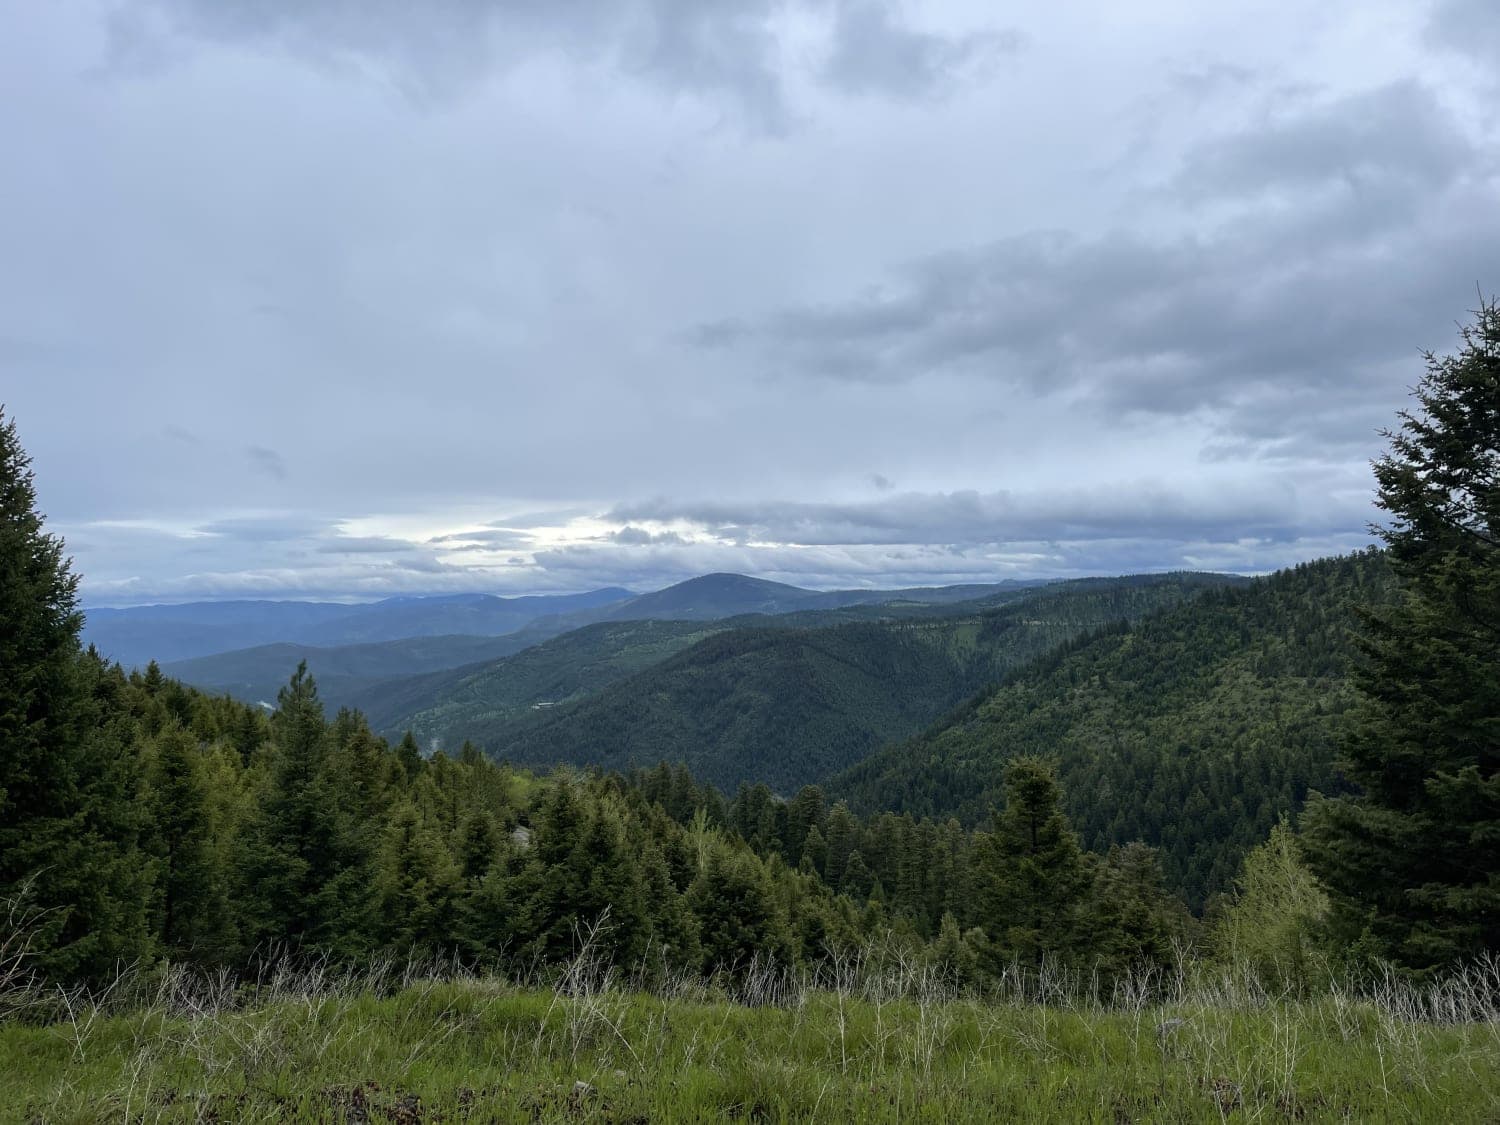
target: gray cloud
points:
(491, 539)
(1471, 27)
(1396, 139)
(1137, 510)
(266, 461)
(639, 537)
(727, 49)
(365, 545)
(874, 53)
(1324, 293)
(267, 529)
(438, 50)
(1211, 79)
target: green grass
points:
(484, 1050)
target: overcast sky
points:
(347, 299)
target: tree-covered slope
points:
(788, 705)
(1192, 729)
(345, 673)
(450, 705)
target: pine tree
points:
(1033, 869)
(953, 956)
(841, 834)
(805, 812)
(195, 920)
(738, 921)
(1132, 921)
(419, 885)
(305, 876)
(68, 776)
(1413, 861)
(858, 879)
(814, 851)
(409, 754)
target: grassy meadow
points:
(407, 1046)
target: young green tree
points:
(1132, 921)
(419, 885)
(1273, 922)
(1413, 861)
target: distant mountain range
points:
(255, 635)
(167, 633)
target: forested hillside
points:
(1193, 729)
(397, 682)
(473, 702)
(481, 703)
(788, 706)
(345, 673)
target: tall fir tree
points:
(69, 777)
(305, 875)
(1033, 876)
(1413, 860)
(195, 922)
(419, 885)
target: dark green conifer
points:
(195, 922)
(1032, 868)
(69, 767)
(738, 921)
(1413, 861)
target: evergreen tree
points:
(478, 845)
(195, 921)
(673, 925)
(1132, 921)
(858, 879)
(1273, 922)
(419, 885)
(1033, 869)
(841, 833)
(738, 921)
(409, 754)
(952, 955)
(305, 876)
(815, 851)
(1413, 861)
(69, 778)
(805, 812)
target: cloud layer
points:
(345, 300)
